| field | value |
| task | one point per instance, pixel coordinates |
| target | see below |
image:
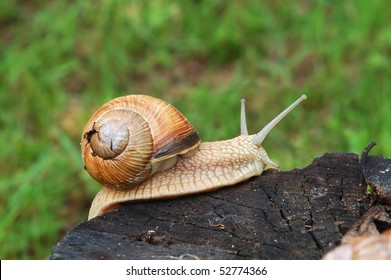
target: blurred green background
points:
(60, 60)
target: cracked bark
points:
(299, 214)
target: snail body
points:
(177, 166)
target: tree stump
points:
(299, 214)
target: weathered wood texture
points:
(300, 214)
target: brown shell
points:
(131, 137)
(369, 247)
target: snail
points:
(142, 148)
(366, 247)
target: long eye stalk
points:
(260, 136)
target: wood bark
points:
(299, 214)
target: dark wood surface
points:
(299, 214)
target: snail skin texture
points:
(141, 148)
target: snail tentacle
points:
(243, 122)
(260, 136)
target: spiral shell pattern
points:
(130, 138)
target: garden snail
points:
(140, 148)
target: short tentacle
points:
(243, 122)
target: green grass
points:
(60, 60)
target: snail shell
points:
(131, 137)
(367, 247)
